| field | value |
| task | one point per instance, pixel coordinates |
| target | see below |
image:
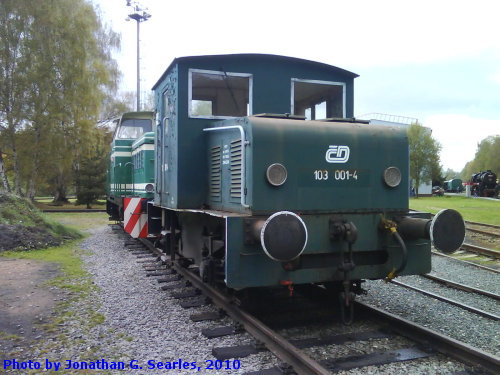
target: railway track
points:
(459, 286)
(466, 262)
(481, 250)
(483, 224)
(485, 232)
(289, 351)
(451, 301)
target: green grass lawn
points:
(46, 203)
(472, 209)
(81, 221)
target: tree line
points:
(487, 157)
(57, 80)
(425, 160)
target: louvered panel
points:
(215, 173)
(235, 168)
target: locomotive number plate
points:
(338, 174)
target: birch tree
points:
(424, 155)
(58, 70)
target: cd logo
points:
(337, 154)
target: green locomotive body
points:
(320, 191)
(309, 196)
(262, 178)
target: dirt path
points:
(25, 301)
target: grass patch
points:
(80, 220)
(47, 203)
(96, 319)
(74, 277)
(472, 209)
(9, 336)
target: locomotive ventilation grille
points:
(215, 172)
(235, 165)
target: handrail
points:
(244, 142)
(133, 184)
(115, 183)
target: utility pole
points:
(139, 15)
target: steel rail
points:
(466, 262)
(447, 300)
(483, 224)
(493, 234)
(444, 344)
(282, 348)
(481, 250)
(465, 288)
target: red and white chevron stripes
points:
(135, 222)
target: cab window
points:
(133, 128)
(318, 100)
(214, 94)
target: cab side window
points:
(317, 100)
(214, 94)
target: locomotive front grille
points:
(215, 173)
(235, 168)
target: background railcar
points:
(454, 185)
(484, 184)
(131, 160)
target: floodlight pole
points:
(139, 15)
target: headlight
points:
(150, 188)
(276, 174)
(392, 176)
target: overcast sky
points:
(438, 61)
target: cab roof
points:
(257, 57)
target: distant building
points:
(424, 189)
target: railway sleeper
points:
(186, 294)
(208, 315)
(350, 362)
(204, 301)
(172, 287)
(169, 279)
(230, 330)
(226, 352)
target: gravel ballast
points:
(451, 320)
(139, 321)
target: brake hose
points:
(392, 228)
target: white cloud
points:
(348, 34)
(495, 77)
(459, 135)
(434, 60)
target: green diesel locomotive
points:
(263, 178)
(131, 167)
